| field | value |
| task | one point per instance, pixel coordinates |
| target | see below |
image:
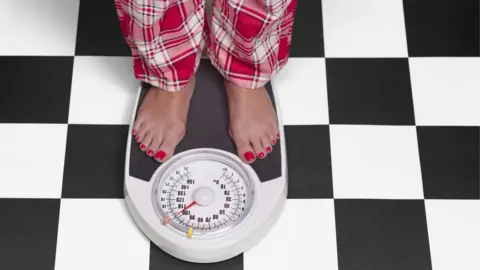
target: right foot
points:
(161, 121)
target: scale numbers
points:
(203, 197)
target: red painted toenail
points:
(274, 141)
(142, 146)
(278, 135)
(150, 152)
(137, 139)
(160, 155)
(261, 155)
(134, 132)
(249, 156)
(269, 149)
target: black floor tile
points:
(307, 37)
(28, 233)
(35, 89)
(309, 162)
(450, 162)
(442, 27)
(95, 161)
(99, 31)
(370, 91)
(161, 260)
(382, 234)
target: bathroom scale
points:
(204, 204)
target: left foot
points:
(253, 122)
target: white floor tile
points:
(303, 238)
(367, 28)
(31, 160)
(446, 91)
(453, 229)
(99, 234)
(375, 162)
(103, 90)
(32, 27)
(302, 92)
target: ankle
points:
(184, 87)
(241, 85)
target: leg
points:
(250, 43)
(166, 39)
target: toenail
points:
(269, 149)
(278, 135)
(134, 132)
(249, 156)
(160, 155)
(137, 139)
(274, 141)
(261, 155)
(142, 146)
(150, 152)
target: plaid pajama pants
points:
(248, 41)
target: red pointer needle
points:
(166, 219)
(184, 209)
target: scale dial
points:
(203, 196)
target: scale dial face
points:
(203, 196)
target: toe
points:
(274, 133)
(154, 146)
(136, 127)
(141, 133)
(258, 148)
(166, 148)
(273, 140)
(160, 156)
(146, 141)
(266, 143)
(244, 149)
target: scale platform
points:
(204, 204)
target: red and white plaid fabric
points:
(249, 40)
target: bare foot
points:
(253, 122)
(161, 121)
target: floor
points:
(380, 101)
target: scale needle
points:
(167, 218)
(184, 209)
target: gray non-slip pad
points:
(207, 127)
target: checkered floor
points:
(381, 105)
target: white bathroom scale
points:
(205, 205)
